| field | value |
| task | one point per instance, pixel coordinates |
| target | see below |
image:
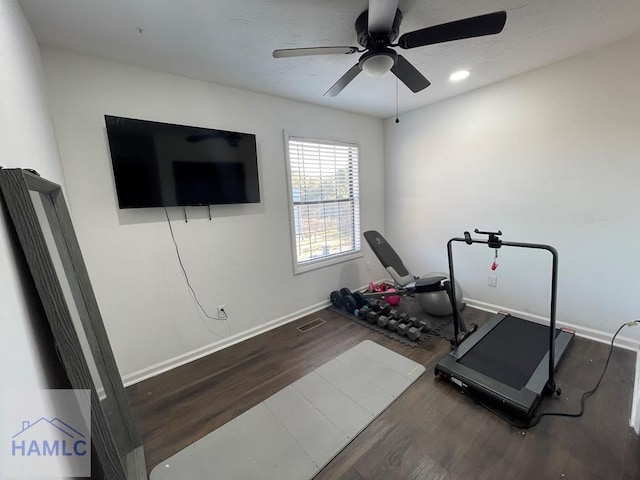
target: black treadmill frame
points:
(542, 381)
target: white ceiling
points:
(230, 42)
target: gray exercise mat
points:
(294, 433)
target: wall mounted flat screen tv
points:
(165, 165)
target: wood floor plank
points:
(432, 431)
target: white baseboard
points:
(171, 363)
(635, 407)
(584, 332)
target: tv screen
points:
(165, 165)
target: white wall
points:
(27, 356)
(551, 156)
(241, 259)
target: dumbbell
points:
(361, 313)
(425, 324)
(393, 324)
(385, 308)
(372, 316)
(403, 328)
(414, 333)
(375, 305)
(383, 320)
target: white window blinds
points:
(325, 199)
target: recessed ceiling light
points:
(459, 75)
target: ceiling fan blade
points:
(488, 24)
(409, 75)
(344, 81)
(301, 52)
(381, 15)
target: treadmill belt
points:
(511, 352)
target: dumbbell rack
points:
(356, 299)
(378, 329)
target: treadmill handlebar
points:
(538, 246)
(458, 322)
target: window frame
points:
(333, 259)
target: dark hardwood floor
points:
(432, 431)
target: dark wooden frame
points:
(121, 455)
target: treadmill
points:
(508, 361)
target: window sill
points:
(321, 263)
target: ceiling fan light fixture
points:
(459, 75)
(376, 64)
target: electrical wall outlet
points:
(493, 281)
(221, 311)
(367, 266)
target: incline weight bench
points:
(430, 290)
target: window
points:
(324, 196)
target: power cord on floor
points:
(186, 277)
(584, 396)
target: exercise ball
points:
(438, 303)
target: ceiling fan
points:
(378, 27)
